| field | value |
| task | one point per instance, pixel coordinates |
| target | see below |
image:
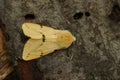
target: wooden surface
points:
(95, 23)
(6, 65)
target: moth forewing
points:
(30, 30)
(48, 47)
(31, 50)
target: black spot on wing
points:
(43, 39)
(28, 55)
(41, 54)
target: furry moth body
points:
(44, 40)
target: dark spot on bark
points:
(7, 37)
(78, 15)
(61, 0)
(115, 13)
(59, 72)
(92, 39)
(87, 14)
(98, 45)
(117, 36)
(29, 16)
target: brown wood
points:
(6, 65)
(27, 70)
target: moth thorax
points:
(65, 38)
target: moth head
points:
(65, 38)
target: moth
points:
(44, 40)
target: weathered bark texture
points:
(6, 65)
(95, 23)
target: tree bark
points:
(95, 23)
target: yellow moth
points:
(44, 40)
